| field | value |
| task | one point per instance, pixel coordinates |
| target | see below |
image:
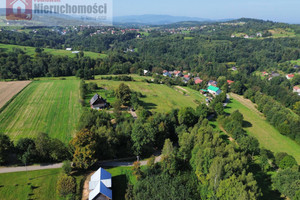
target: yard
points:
(158, 97)
(257, 126)
(44, 106)
(29, 185)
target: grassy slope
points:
(15, 185)
(31, 51)
(159, 97)
(44, 106)
(267, 135)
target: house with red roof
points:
(296, 89)
(290, 76)
(230, 82)
(197, 80)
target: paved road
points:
(29, 168)
(59, 165)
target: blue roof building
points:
(100, 184)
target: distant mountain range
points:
(158, 19)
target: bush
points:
(66, 185)
(67, 167)
(287, 162)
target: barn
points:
(97, 102)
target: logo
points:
(18, 9)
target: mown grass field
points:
(158, 97)
(44, 106)
(58, 52)
(266, 134)
(29, 185)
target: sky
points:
(276, 10)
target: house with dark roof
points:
(99, 185)
(97, 102)
(167, 74)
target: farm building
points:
(97, 102)
(99, 185)
(214, 90)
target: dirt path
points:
(10, 89)
(86, 191)
(181, 88)
(246, 102)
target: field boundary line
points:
(13, 98)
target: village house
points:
(178, 74)
(265, 74)
(296, 89)
(212, 83)
(230, 82)
(290, 76)
(214, 90)
(167, 74)
(97, 102)
(69, 49)
(99, 185)
(197, 80)
(233, 68)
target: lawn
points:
(296, 62)
(39, 184)
(120, 177)
(257, 126)
(58, 52)
(158, 97)
(44, 106)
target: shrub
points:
(66, 185)
(67, 167)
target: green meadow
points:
(39, 184)
(157, 97)
(58, 52)
(44, 106)
(266, 134)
